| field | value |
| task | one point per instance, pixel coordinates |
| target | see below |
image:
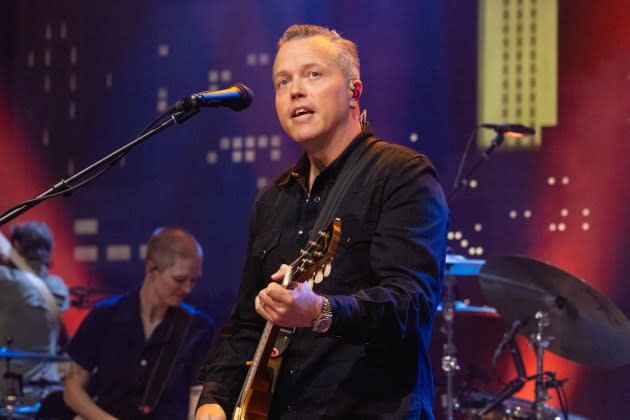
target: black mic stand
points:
(496, 142)
(450, 364)
(65, 187)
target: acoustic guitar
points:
(312, 264)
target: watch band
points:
(324, 321)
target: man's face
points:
(312, 93)
(173, 284)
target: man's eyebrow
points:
(302, 68)
(279, 73)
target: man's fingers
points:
(279, 275)
(275, 294)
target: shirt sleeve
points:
(224, 372)
(84, 346)
(407, 253)
(59, 290)
(204, 337)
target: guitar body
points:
(254, 401)
(259, 396)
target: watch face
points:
(322, 325)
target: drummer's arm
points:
(77, 398)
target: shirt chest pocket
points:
(355, 232)
(351, 265)
(264, 249)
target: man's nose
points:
(297, 89)
(188, 285)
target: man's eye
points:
(283, 82)
(314, 74)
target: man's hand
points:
(76, 397)
(210, 412)
(289, 308)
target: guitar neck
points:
(261, 356)
(256, 369)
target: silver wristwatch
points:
(323, 322)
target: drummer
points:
(26, 315)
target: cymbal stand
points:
(450, 364)
(540, 343)
(13, 390)
(13, 385)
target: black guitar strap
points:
(357, 161)
(165, 361)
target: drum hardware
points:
(6, 353)
(540, 343)
(12, 400)
(461, 308)
(456, 265)
(450, 364)
(555, 310)
(519, 287)
(509, 339)
(13, 385)
(544, 380)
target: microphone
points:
(510, 128)
(507, 337)
(236, 97)
(509, 390)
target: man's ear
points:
(356, 87)
(149, 266)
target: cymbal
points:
(31, 356)
(461, 308)
(585, 326)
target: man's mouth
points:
(298, 112)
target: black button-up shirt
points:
(384, 287)
(111, 344)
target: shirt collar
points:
(129, 306)
(299, 172)
(128, 310)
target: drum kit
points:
(18, 401)
(553, 309)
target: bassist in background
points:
(360, 343)
(139, 352)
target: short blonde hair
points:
(168, 243)
(347, 51)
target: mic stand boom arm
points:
(65, 186)
(496, 142)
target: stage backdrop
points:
(80, 79)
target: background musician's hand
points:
(5, 249)
(296, 307)
(210, 412)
